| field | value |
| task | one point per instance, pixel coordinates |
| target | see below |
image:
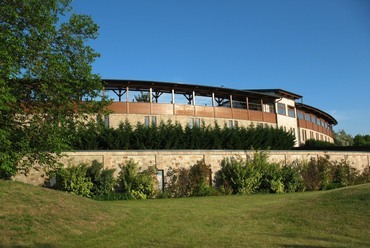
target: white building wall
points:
(286, 122)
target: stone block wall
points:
(164, 159)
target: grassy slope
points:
(38, 217)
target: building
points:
(151, 102)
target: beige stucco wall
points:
(285, 121)
(164, 159)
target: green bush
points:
(312, 143)
(291, 178)
(271, 177)
(73, 179)
(138, 184)
(166, 135)
(194, 181)
(102, 179)
(178, 182)
(316, 173)
(237, 176)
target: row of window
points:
(312, 118)
(313, 135)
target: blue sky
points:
(319, 49)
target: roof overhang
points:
(317, 112)
(180, 88)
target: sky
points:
(319, 49)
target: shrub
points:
(167, 135)
(316, 173)
(178, 182)
(138, 184)
(237, 176)
(343, 174)
(102, 179)
(73, 179)
(364, 177)
(271, 178)
(291, 178)
(194, 181)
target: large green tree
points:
(45, 78)
(341, 138)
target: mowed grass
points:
(37, 217)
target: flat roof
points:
(280, 93)
(113, 84)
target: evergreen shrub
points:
(168, 135)
(138, 184)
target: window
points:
(191, 122)
(236, 123)
(147, 120)
(106, 121)
(313, 119)
(269, 108)
(281, 109)
(311, 135)
(160, 179)
(197, 122)
(318, 122)
(303, 135)
(154, 120)
(194, 122)
(291, 111)
(300, 115)
(307, 117)
(230, 124)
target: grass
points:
(37, 217)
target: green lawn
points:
(38, 217)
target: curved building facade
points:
(151, 102)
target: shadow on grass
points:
(38, 245)
(304, 246)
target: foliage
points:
(102, 179)
(341, 138)
(194, 181)
(138, 184)
(178, 182)
(169, 135)
(291, 178)
(143, 97)
(86, 180)
(316, 173)
(258, 175)
(322, 173)
(312, 143)
(237, 176)
(361, 140)
(74, 179)
(271, 180)
(45, 72)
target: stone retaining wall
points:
(164, 159)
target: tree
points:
(341, 138)
(361, 140)
(45, 72)
(143, 97)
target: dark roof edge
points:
(280, 92)
(184, 86)
(320, 112)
